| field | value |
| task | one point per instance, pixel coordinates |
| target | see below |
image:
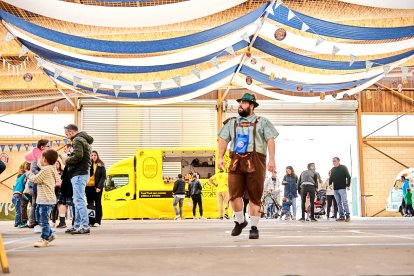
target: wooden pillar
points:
(219, 109)
(361, 161)
(75, 112)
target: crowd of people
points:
(54, 184)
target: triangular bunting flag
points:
(322, 96)
(335, 50)
(23, 51)
(272, 76)
(18, 146)
(386, 69)
(278, 3)
(214, 62)
(2, 147)
(10, 148)
(246, 37)
(258, 23)
(58, 143)
(76, 81)
(230, 50)
(290, 15)
(95, 86)
(117, 89)
(9, 37)
(57, 73)
(177, 81)
(368, 65)
(39, 63)
(404, 71)
(270, 10)
(138, 89)
(26, 146)
(304, 27)
(34, 145)
(352, 59)
(319, 40)
(157, 86)
(51, 144)
(65, 141)
(196, 71)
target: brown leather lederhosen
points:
(247, 171)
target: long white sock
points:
(254, 221)
(239, 216)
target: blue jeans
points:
(342, 201)
(17, 201)
(79, 200)
(44, 212)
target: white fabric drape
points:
(257, 89)
(127, 17)
(171, 100)
(346, 49)
(87, 80)
(386, 4)
(187, 55)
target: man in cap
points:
(79, 162)
(250, 137)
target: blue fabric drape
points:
(278, 52)
(326, 28)
(173, 92)
(292, 86)
(134, 47)
(108, 68)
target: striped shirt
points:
(46, 180)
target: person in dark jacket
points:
(2, 167)
(341, 180)
(291, 191)
(179, 195)
(95, 186)
(194, 190)
(79, 163)
(307, 184)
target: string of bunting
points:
(26, 146)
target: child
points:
(18, 193)
(409, 203)
(285, 208)
(46, 180)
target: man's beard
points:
(244, 112)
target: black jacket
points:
(100, 176)
(179, 187)
(66, 187)
(2, 166)
(194, 187)
(79, 161)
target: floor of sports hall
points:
(365, 246)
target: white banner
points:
(125, 17)
(345, 49)
(187, 55)
(386, 4)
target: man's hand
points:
(220, 163)
(271, 167)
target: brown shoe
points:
(348, 219)
(340, 219)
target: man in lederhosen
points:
(250, 137)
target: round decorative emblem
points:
(27, 77)
(334, 95)
(299, 87)
(262, 69)
(240, 144)
(400, 87)
(4, 157)
(284, 79)
(253, 61)
(150, 167)
(249, 80)
(280, 34)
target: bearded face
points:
(245, 112)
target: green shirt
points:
(264, 131)
(409, 198)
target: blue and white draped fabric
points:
(173, 92)
(385, 4)
(292, 86)
(331, 29)
(136, 47)
(289, 56)
(125, 17)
